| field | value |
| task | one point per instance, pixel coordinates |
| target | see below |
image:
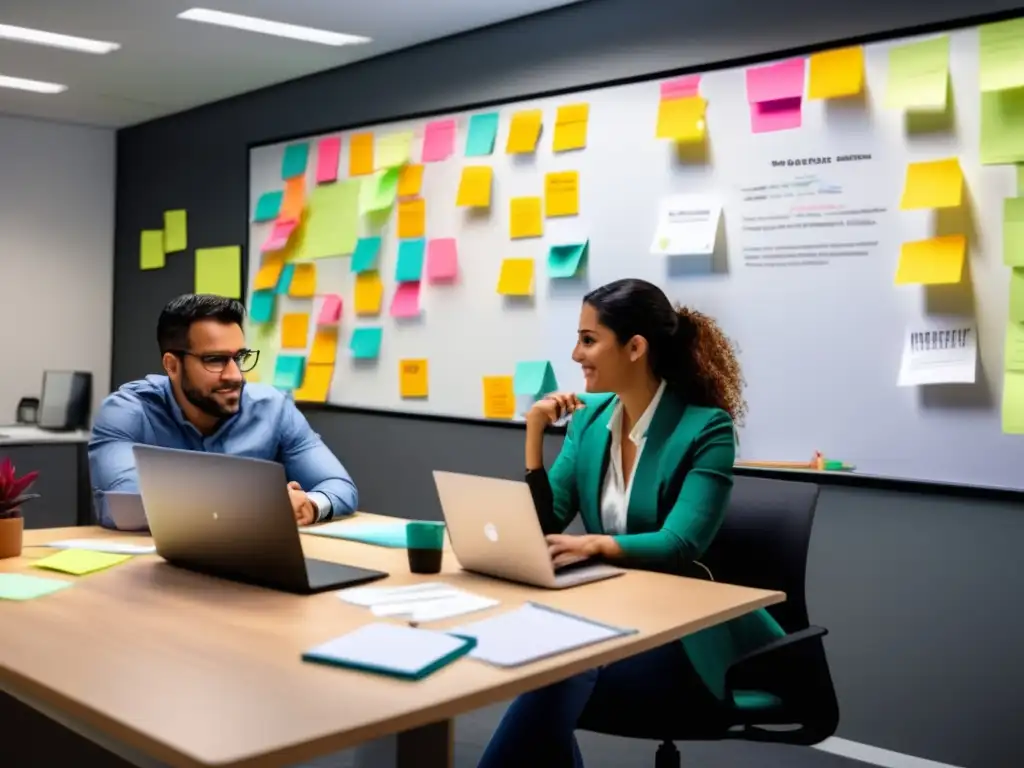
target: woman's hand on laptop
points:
(565, 549)
(302, 505)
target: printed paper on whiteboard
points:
(687, 225)
(939, 352)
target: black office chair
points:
(781, 692)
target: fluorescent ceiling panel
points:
(276, 28)
(36, 86)
(55, 40)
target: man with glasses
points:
(204, 404)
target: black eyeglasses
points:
(245, 359)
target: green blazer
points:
(681, 486)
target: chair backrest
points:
(764, 540)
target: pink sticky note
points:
(784, 80)
(681, 87)
(778, 115)
(327, 152)
(438, 141)
(279, 236)
(442, 260)
(406, 301)
(330, 312)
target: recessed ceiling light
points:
(39, 37)
(36, 86)
(277, 28)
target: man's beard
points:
(206, 403)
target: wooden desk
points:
(194, 671)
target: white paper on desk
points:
(104, 545)
(431, 601)
(687, 225)
(939, 351)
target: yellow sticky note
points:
(516, 277)
(475, 186)
(936, 261)
(682, 119)
(270, 271)
(571, 127)
(836, 74)
(562, 193)
(524, 217)
(393, 150)
(499, 397)
(412, 218)
(936, 184)
(219, 271)
(1001, 55)
(325, 347)
(303, 285)
(413, 378)
(175, 231)
(79, 562)
(316, 384)
(151, 249)
(410, 180)
(294, 330)
(524, 132)
(369, 293)
(294, 199)
(919, 75)
(360, 154)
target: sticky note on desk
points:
(79, 562)
(934, 184)
(17, 586)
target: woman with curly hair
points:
(647, 462)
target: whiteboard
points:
(821, 337)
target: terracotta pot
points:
(11, 529)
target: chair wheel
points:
(667, 756)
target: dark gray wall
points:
(916, 589)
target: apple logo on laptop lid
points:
(491, 532)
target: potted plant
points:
(12, 496)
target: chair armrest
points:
(760, 668)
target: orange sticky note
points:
(270, 272)
(562, 193)
(360, 154)
(303, 284)
(516, 277)
(294, 199)
(325, 346)
(413, 378)
(936, 261)
(499, 397)
(412, 218)
(524, 217)
(935, 184)
(475, 186)
(316, 384)
(294, 330)
(410, 180)
(682, 119)
(835, 74)
(571, 127)
(369, 293)
(524, 132)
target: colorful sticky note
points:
(330, 310)
(268, 206)
(412, 218)
(219, 271)
(269, 272)
(294, 199)
(360, 154)
(365, 343)
(364, 258)
(1013, 352)
(562, 193)
(681, 119)
(918, 75)
(303, 284)
(483, 129)
(1013, 403)
(316, 384)
(475, 186)
(684, 87)
(325, 347)
(393, 150)
(779, 115)
(294, 330)
(151, 249)
(294, 161)
(17, 586)
(565, 260)
(782, 80)
(410, 260)
(413, 378)
(442, 260)
(333, 223)
(328, 152)
(438, 141)
(934, 184)
(936, 261)
(1001, 55)
(175, 231)
(406, 301)
(410, 180)
(1020, 180)
(499, 397)
(378, 192)
(284, 282)
(516, 278)
(261, 306)
(524, 132)
(836, 74)
(1002, 126)
(534, 378)
(1013, 232)
(369, 293)
(79, 562)
(279, 235)
(288, 371)
(571, 127)
(524, 217)
(1017, 295)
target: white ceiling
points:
(166, 65)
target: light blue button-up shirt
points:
(267, 426)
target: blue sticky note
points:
(535, 378)
(261, 306)
(268, 206)
(294, 162)
(565, 260)
(410, 260)
(365, 343)
(288, 371)
(480, 137)
(364, 257)
(284, 280)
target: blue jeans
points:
(538, 728)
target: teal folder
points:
(385, 535)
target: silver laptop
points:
(231, 517)
(494, 530)
(126, 510)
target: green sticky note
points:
(379, 191)
(175, 231)
(1002, 127)
(268, 206)
(365, 343)
(565, 260)
(15, 586)
(288, 371)
(1013, 351)
(1013, 403)
(151, 249)
(1013, 231)
(261, 306)
(333, 223)
(219, 271)
(480, 137)
(918, 75)
(392, 150)
(79, 562)
(1001, 55)
(1020, 180)
(364, 258)
(410, 260)
(1017, 295)
(294, 161)
(534, 378)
